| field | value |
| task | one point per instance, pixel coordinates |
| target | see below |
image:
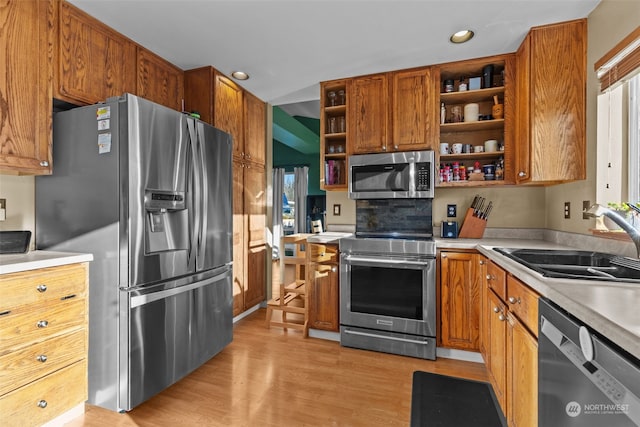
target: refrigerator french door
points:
(147, 191)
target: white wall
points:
(19, 193)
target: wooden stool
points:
(292, 297)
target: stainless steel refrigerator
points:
(147, 191)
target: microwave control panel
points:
(423, 176)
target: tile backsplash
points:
(394, 215)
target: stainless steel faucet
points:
(633, 232)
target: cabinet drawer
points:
(38, 360)
(46, 284)
(497, 279)
(25, 326)
(523, 302)
(45, 399)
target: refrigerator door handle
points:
(139, 300)
(194, 213)
(202, 201)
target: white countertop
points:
(611, 308)
(13, 263)
(328, 237)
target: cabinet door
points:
(552, 104)
(255, 202)
(159, 81)
(198, 92)
(459, 300)
(496, 365)
(368, 110)
(522, 375)
(483, 338)
(228, 111)
(25, 87)
(255, 288)
(323, 279)
(414, 112)
(239, 244)
(254, 128)
(95, 62)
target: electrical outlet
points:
(452, 211)
(567, 210)
(586, 204)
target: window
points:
(618, 152)
(288, 203)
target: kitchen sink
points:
(572, 264)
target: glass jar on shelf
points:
(332, 97)
(341, 97)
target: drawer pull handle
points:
(501, 318)
(496, 309)
(42, 404)
(514, 300)
(4, 313)
(42, 324)
(42, 358)
(66, 297)
(42, 288)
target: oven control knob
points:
(586, 343)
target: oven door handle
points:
(387, 261)
(365, 334)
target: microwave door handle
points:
(412, 178)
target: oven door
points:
(386, 293)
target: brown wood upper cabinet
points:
(159, 80)
(369, 116)
(228, 111)
(255, 126)
(94, 61)
(395, 111)
(25, 115)
(551, 104)
(414, 110)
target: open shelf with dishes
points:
(333, 134)
(473, 126)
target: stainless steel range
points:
(388, 271)
(388, 294)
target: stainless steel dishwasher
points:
(584, 379)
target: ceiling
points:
(289, 46)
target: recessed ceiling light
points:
(461, 36)
(240, 75)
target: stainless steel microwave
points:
(400, 175)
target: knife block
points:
(472, 226)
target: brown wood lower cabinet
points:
(459, 300)
(510, 346)
(323, 285)
(522, 375)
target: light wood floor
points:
(271, 377)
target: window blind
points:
(621, 62)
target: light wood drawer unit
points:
(43, 343)
(17, 289)
(25, 325)
(32, 362)
(524, 303)
(45, 399)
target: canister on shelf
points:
(448, 85)
(471, 112)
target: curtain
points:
(301, 186)
(278, 191)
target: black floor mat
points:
(442, 401)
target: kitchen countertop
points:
(611, 308)
(13, 263)
(328, 237)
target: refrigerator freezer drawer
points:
(174, 334)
